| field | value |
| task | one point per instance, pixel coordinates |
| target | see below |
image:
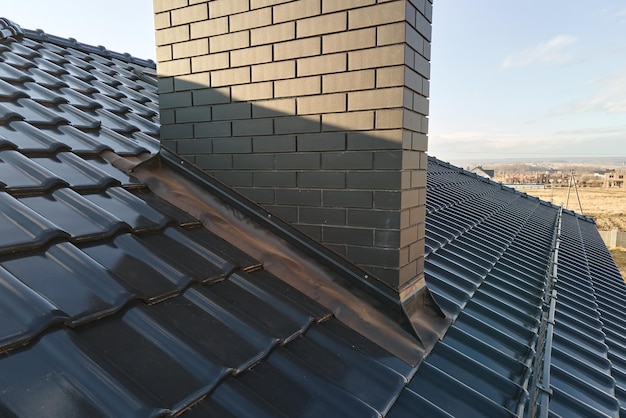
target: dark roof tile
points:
(74, 214)
(13, 75)
(23, 229)
(21, 174)
(77, 172)
(8, 92)
(73, 282)
(43, 95)
(30, 140)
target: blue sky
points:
(538, 79)
(510, 79)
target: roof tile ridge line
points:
(539, 386)
(8, 29)
(40, 35)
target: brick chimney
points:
(315, 109)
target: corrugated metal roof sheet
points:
(114, 302)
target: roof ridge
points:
(10, 29)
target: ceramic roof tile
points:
(73, 282)
(114, 302)
(74, 214)
(19, 173)
(30, 140)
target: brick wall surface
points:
(314, 108)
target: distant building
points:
(614, 179)
(483, 172)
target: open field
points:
(607, 206)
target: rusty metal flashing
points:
(407, 324)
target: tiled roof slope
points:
(490, 258)
(114, 302)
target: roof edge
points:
(10, 29)
(40, 35)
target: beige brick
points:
(413, 120)
(419, 142)
(298, 49)
(411, 161)
(296, 10)
(324, 24)
(329, 6)
(230, 77)
(327, 103)
(210, 62)
(420, 104)
(351, 121)
(190, 48)
(257, 4)
(255, 91)
(325, 64)
(248, 56)
(162, 20)
(298, 87)
(273, 108)
(377, 15)
(389, 118)
(346, 41)
(172, 35)
(209, 28)
(394, 33)
(376, 99)
(379, 57)
(192, 81)
(164, 53)
(190, 14)
(191, 2)
(350, 81)
(249, 20)
(220, 8)
(390, 76)
(229, 41)
(174, 68)
(274, 33)
(164, 5)
(274, 71)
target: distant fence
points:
(614, 238)
(526, 186)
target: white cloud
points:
(609, 96)
(552, 51)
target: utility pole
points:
(572, 179)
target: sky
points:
(541, 79)
(528, 79)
